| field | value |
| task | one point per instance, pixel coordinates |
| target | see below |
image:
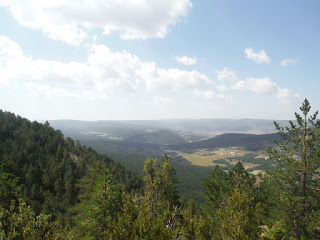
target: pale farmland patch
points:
(206, 157)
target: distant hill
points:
(205, 126)
(162, 132)
(160, 137)
(249, 142)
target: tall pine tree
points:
(298, 173)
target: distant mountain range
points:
(163, 132)
(249, 142)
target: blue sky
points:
(158, 59)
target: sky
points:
(159, 59)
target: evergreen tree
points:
(126, 227)
(238, 218)
(230, 198)
(160, 183)
(101, 201)
(9, 189)
(297, 176)
(190, 220)
(22, 223)
(107, 202)
(159, 209)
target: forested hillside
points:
(249, 142)
(53, 188)
(49, 167)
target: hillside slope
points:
(249, 142)
(50, 166)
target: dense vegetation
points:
(51, 188)
(143, 139)
(161, 137)
(133, 156)
(261, 163)
(49, 166)
(249, 142)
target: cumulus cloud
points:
(226, 75)
(257, 85)
(209, 94)
(102, 73)
(288, 96)
(266, 86)
(72, 21)
(186, 60)
(288, 61)
(171, 79)
(259, 57)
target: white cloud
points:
(225, 78)
(288, 96)
(186, 60)
(171, 79)
(103, 73)
(259, 57)
(163, 101)
(257, 85)
(288, 61)
(209, 94)
(53, 92)
(4, 2)
(72, 21)
(226, 75)
(266, 86)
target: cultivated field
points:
(207, 158)
(227, 157)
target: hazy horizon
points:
(163, 119)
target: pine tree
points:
(230, 197)
(160, 184)
(298, 174)
(9, 188)
(238, 217)
(22, 223)
(107, 202)
(159, 208)
(100, 203)
(125, 227)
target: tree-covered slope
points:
(49, 166)
(160, 137)
(249, 142)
